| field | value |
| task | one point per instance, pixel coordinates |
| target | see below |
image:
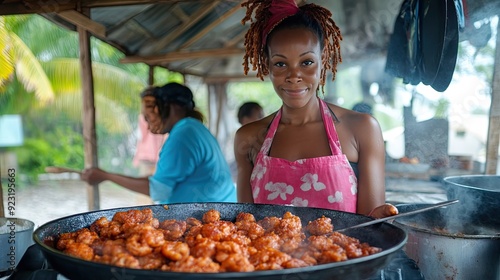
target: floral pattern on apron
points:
(323, 182)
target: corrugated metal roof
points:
(205, 37)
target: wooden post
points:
(2, 211)
(494, 122)
(151, 75)
(89, 131)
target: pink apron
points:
(322, 182)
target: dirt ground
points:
(53, 199)
(48, 199)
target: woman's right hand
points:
(385, 210)
(94, 175)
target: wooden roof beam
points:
(112, 3)
(195, 18)
(211, 26)
(84, 22)
(39, 7)
(181, 55)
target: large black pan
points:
(386, 236)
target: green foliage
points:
(442, 108)
(61, 147)
(261, 92)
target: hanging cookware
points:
(432, 36)
(450, 50)
(447, 245)
(403, 51)
(386, 236)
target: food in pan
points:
(135, 239)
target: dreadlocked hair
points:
(311, 16)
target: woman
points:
(309, 153)
(191, 167)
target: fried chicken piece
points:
(295, 263)
(134, 216)
(65, 239)
(236, 263)
(243, 216)
(193, 222)
(80, 250)
(334, 254)
(227, 248)
(218, 230)
(211, 216)
(125, 260)
(203, 247)
(173, 229)
(269, 224)
(320, 226)
(192, 264)
(251, 229)
(329, 251)
(175, 250)
(271, 240)
(239, 238)
(192, 234)
(269, 258)
(151, 261)
(290, 226)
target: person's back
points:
(199, 162)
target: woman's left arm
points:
(371, 164)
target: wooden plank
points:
(19, 8)
(84, 22)
(209, 27)
(182, 55)
(112, 3)
(195, 18)
(493, 139)
(89, 130)
(2, 211)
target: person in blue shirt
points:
(191, 166)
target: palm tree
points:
(43, 59)
(40, 79)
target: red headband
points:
(279, 9)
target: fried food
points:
(135, 239)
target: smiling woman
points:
(308, 153)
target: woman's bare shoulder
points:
(358, 124)
(352, 117)
(254, 129)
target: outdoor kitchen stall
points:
(456, 240)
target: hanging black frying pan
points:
(386, 236)
(450, 51)
(433, 20)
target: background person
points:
(147, 149)
(250, 112)
(191, 167)
(309, 153)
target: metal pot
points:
(479, 196)
(386, 236)
(15, 237)
(447, 248)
